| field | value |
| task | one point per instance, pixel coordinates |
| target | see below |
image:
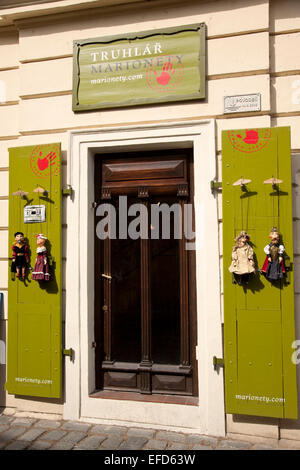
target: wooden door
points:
(145, 301)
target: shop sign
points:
(141, 68)
(242, 103)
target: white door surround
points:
(209, 416)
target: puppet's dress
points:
(41, 268)
(274, 269)
(20, 257)
(242, 260)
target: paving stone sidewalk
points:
(20, 433)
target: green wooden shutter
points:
(34, 353)
(259, 326)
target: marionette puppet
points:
(41, 268)
(20, 257)
(243, 264)
(273, 267)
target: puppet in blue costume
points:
(273, 267)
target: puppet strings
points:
(242, 212)
(276, 193)
(274, 210)
(20, 211)
(41, 230)
(244, 222)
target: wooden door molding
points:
(184, 298)
(163, 173)
(106, 307)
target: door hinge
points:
(218, 362)
(288, 269)
(67, 191)
(215, 185)
(68, 352)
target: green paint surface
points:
(259, 322)
(143, 68)
(34, 353)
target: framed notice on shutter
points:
(34, 353)
(259, 318)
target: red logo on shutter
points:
(250, 140)
(45, 160)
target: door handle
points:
(106, 276)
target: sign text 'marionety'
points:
(103, 59)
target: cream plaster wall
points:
(285, 52)
(285, 93)
(55, 38)
(294, 123)
(3, 273)
(4, 213)
(9, 119)
(3, 183)
(12, 85)
(246, 54)
(9, 49)
(56, 112)
(284, 16)
(3, 244)
(52, 76)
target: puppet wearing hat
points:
(243, 264)
(273, 267)
(41, 268)
(20, 257)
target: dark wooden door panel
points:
(143, 320)
(142, 170)
(165, 294)
(120, 379)
(159, 172)
(125, 298)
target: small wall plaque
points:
(242, 103)
(34, 214)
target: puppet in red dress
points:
(273, 267)
(41, 268)
(20, 257)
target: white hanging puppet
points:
(243, 265)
